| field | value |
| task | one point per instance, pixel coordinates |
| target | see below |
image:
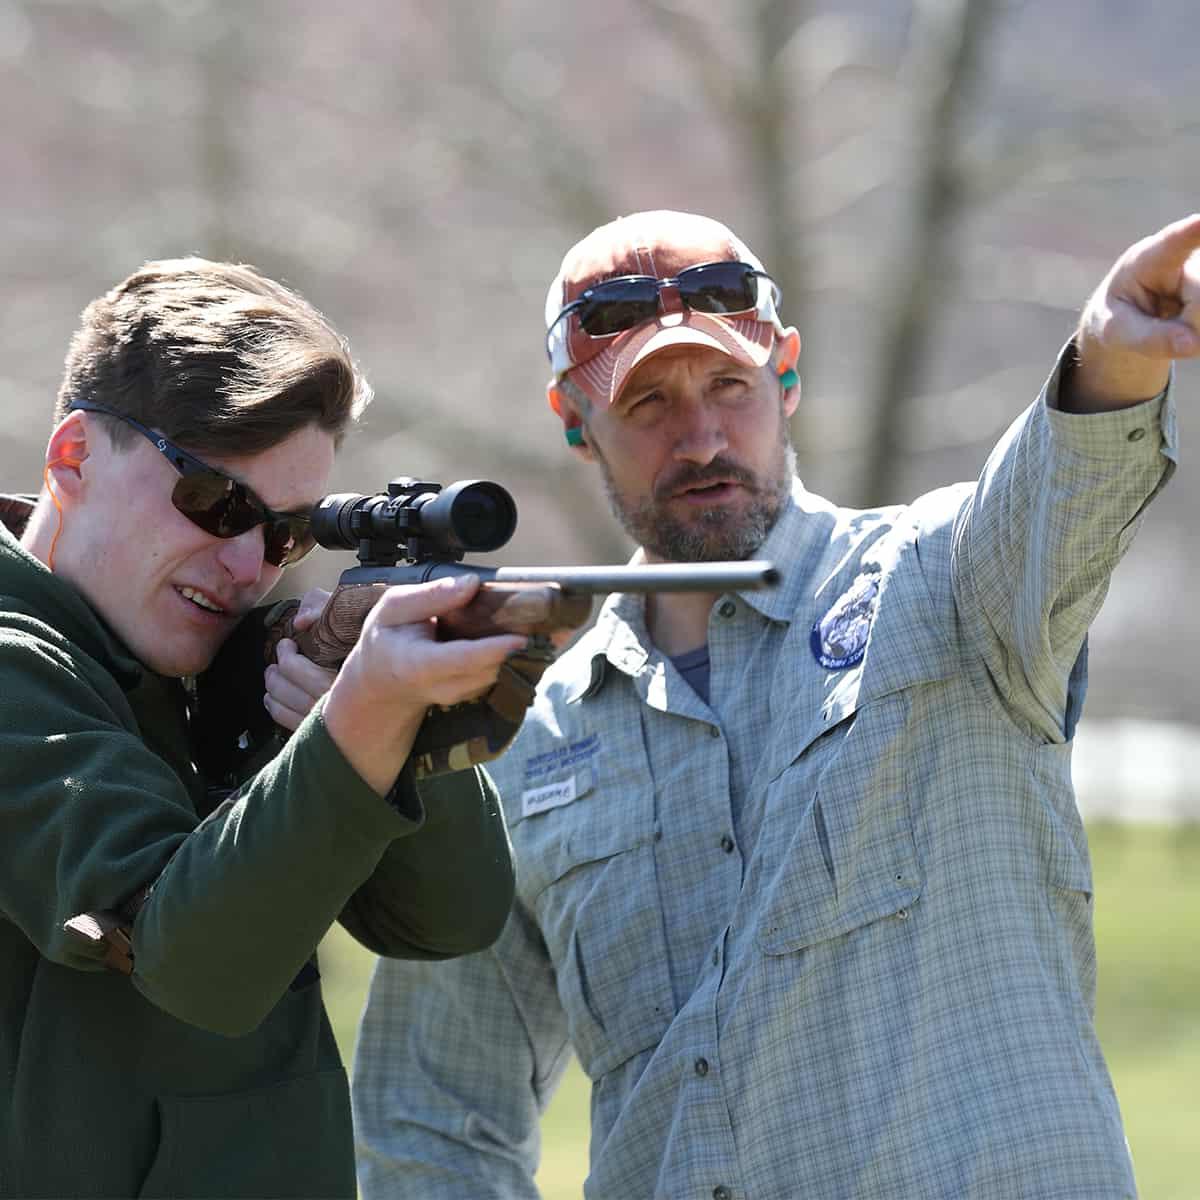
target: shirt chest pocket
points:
(587, 871)
(845, 852)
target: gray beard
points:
(713, 535)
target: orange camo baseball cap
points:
(657, 244)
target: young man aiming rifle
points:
(162, 893)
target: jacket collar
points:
(30, 587)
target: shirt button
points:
(722, 1193)
(727, 844)
(727, 608)
(713, 731)
(1136, 435)
(701, 1066)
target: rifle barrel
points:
(654, 577)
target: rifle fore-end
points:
(527, 609)
(523, 608)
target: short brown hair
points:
(215, 356)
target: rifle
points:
(417, 531)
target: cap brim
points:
(745, 339)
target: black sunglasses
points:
(622, 303)
(220, 505)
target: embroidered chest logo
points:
(839, 638)
(561, 758)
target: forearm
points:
(250, 892)
(374, 741)
(447, 889)
(1100, 378)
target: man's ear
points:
(562, 404)
(787, 354)
(787, 349)
(65, 454)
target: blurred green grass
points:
(1147, 1011)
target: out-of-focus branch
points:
(219, 59)
(948, 40)
(727, 92)
(568, 183)
(774, 134)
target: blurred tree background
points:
(937, 185)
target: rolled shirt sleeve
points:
(1055, 509)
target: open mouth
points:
(200, 600)
(718, 489)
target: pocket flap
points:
(886, 897)
(830, 882)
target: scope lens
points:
(481, 515)
(477, 517)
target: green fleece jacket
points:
(211, 1070)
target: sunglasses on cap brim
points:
(219, 504)
(617, 305)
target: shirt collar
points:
(618, 640)
(798, 545)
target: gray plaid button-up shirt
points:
(829, 935)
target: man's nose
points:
(701, 436)
(242, 556)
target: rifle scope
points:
(426, 519)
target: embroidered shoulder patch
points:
(839, 638)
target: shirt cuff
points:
(1140, 431)
(405, 797)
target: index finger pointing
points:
(1174, 244)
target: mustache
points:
(693, 475)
